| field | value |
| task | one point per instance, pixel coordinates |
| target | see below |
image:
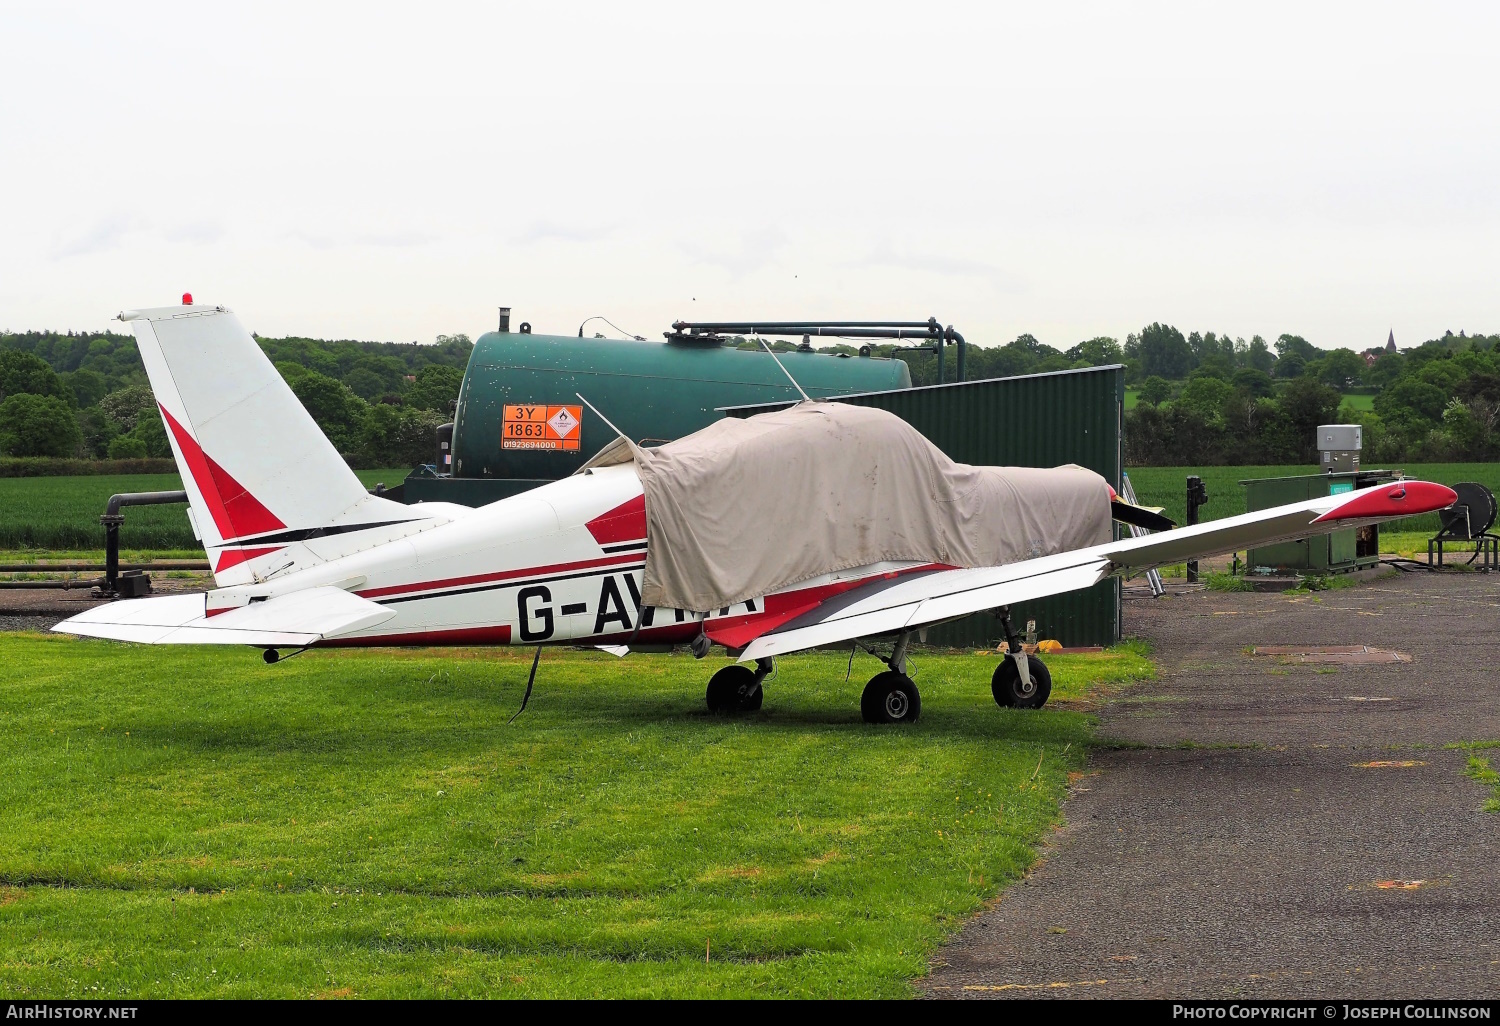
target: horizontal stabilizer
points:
(301, 618)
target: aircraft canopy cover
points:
(746, 507)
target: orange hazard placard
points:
(535, 426)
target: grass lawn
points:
(62, 513)
(191, 822)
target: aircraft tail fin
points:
(268, 493)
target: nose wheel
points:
(1021, 681)
(1011, 693)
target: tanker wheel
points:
(734, 689)
(1007, 689)
(890, 697)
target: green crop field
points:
(192, 822)
(1167, 486)
(62, 513)
(1353, 401)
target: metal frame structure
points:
(930, 330)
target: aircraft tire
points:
(734, 689)
(890, 697)
(1005, 685)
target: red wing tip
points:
(1400, 499)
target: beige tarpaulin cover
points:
(746, 507)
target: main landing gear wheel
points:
(890, 697)
(735, 689)
(1008, 690)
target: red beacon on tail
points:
(187, 299)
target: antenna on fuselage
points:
(606, 456)
(604, 418)
(788, 373)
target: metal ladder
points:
(1127, 491)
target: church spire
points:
(1390, 343)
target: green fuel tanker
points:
(519, 422)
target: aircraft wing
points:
(909, 602)
(301, 618)
(897, 603)
(1322, 515)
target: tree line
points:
(1204, 398)
(86, 395)
(1212, 399)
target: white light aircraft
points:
(303, 556)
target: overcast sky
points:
(1068, 170)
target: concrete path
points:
(1273, 829)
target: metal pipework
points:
(65, 585)
(142, 499)
(113, 518)
(798, 327)
(958, 340)
(930, 330)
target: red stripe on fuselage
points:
(457, 636)
(502, 575)
(737, 632)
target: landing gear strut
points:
(891, 697)
(737, 688)
(1021, 681)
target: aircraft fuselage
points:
(560, 564)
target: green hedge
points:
(46, 466)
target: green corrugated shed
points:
(1035, 420)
